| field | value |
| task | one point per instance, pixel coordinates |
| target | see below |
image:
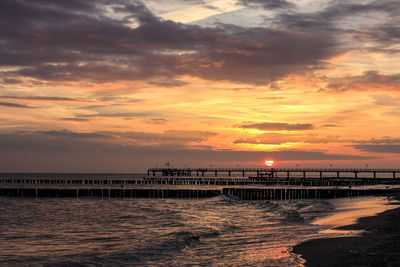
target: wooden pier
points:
(275, 172)
(252, 184)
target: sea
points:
(217, 231)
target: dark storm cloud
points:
(165, 138)
(11, 81)
(72, 41)
(267, 4)
(278, 126)
(66, 151)
(14, 105)
(388, 34)
(370, 80)
(379, 148)
(380, 141)
(335, 12)
(68, 134)
(169, 83)
(331, 19)
(380, 145)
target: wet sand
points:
(378, 245)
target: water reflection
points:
(126, 232)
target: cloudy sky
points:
(124, 85)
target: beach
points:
(377, 245)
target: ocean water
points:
(156, 232)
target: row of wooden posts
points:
(239, 193)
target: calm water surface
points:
(131, 232)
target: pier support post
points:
(374, 175)
(337, 174)
(355, 174)
(304, 175)
(288, 175)
(243, 173)
(320, 175)
(394, 175)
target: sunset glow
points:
(121, 87)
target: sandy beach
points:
(378, 245)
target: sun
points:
(269, 163)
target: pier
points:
(276, 172)
(239, 183)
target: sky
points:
(125, 85)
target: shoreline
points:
(378, 245)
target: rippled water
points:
(128, 232)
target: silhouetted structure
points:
(262, 183)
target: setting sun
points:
(269, 163)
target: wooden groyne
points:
(110, 192)
(243, 193)
(199, 183)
